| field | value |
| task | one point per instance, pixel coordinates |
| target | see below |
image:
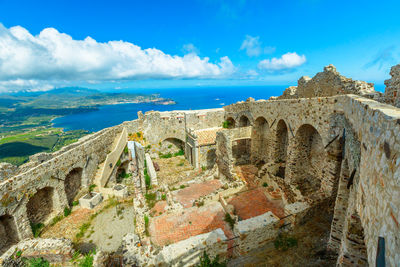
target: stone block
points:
(120, 190)
(89, 201)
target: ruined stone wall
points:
(20, 195)
(392, 91)
(329, 83)
(158, 126)
(370, 132)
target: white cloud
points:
(253, 48)
(285, 62)
(51, 57)
(190, 49)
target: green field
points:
(16, 149)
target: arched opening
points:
(8, 232)
(172, 145)
(211, 158)
(310, 156)
(230, 123)
(244, 121)
(281, 143)
(259, 141)
(122, 171)
(72, 184)
(40, 205)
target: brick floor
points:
(158, 208)
(254, 203)
(171, 228)
(188, 195)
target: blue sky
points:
(193, 43)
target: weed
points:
(118, 163)
(265, 184)
(226, 124)
(37, 229)
(36, 262)
(284, 242)
(146, 224)
(163, 197)
(75, 203)
(182, 186)
(67, 211)
(205, 261)
(229, 220)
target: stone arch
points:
(172, 145)
(8, 232)
(281, 142)
(309, 160)
(260, 141)
(231, 123)
(41, 205)
(244, 121)
(72, 184)
(122, 169)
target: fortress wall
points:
(376, 198)
(392, 91)
(372, 143)
(16, 192)
(158, 126)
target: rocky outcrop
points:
(7, 170)
(329, 83)
(392, 91)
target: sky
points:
(153, 44)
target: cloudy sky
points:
(128, 44)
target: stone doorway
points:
(72, 184)
(40, 206)
(8, 232)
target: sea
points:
(186, 99)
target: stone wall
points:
(392, 91)
(328, 83)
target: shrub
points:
(118, 163)
(138, 134)
(229, 220)
(182, 186)
(163, 196)
(165, 156)
(67, 211)
(91, 187)
(36, 229)
(205, 261)
(147, 178)
(126, 150)
(37, 262)
(203, 168)
(56, 219)
(284, 242)
(265, 184)
(75, 203)
(226, 124)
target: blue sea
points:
(185, 98)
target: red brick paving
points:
(171, 228)
(158, 208)
(188, 195)
(254, 203)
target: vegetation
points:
(67, 211)
(82, 230)
(37, 229)
(118, 163)
(265, 184)
(170, 155)
(87, 260)
(147, 178)
(36, 262)
(205, 261)
(146, 224)
(163, 197)
(91, 187)
(229, 220)
(226, 124)
(75, 203)
(151, 199)
(126, 150)
(284, 242)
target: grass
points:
(67, 211)
(206, 261)
(226, 124)
(147, 178)
(82, 230)
(284, 242)
(36, 262)
(146, 224)
(163, 197)
(170, 155)
(151, 199)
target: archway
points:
(244, 121)
(40, 205)
(72, 184)
(8, 232)
(122, 171)
(230, 123)
(309, 161)
(172, 145)
(281, 143)
(260, 141)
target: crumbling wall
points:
(392, 91)
(328, 83)
(224, 154)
